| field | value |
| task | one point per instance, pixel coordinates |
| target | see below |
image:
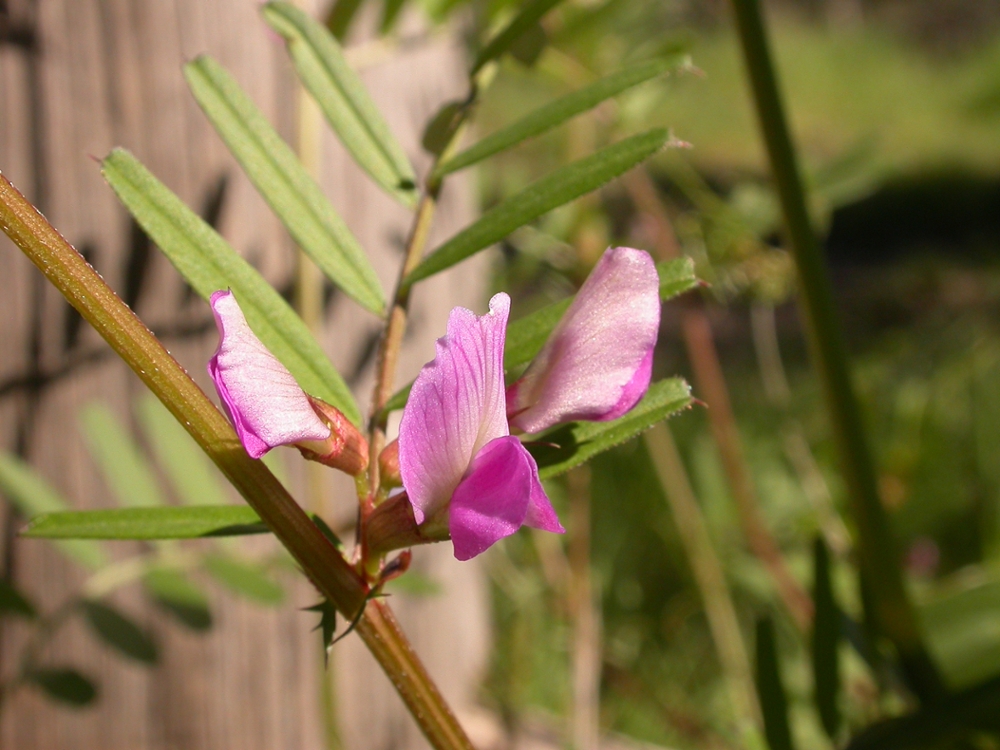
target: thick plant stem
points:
(894, 612)
(322, 563)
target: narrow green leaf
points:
(554, 190)
(32, 495)
(14, 602)
(528, 47)
(244, 579)
(167, 522)
(825, 642)
(193, 476)
(179, 596)
(569, 445)
(209, 264)
(528, 16)
(416, 584)
(345, 102)
(557, 112)
(771, 689)
(284, 183)
(119, 632)
(390, 12)
(64, 685)
(526, 336)
(125, 469)
(439, 131)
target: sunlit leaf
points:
(249, 581)
(557, 112)
(179, 596)
(554, 190)
(192, 474)
(209, 264)
(124, 467)
(569, 445)
(14, 602)
(530, 14)
(284, 183)
(771, 689)
(167, 522)
(32, 496)
(345, 102)
(963, 631)
(64, 685)
(119, 632)
(825, 642)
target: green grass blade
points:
(529, 15)
(345, 102)
(771, 689)
(554, 190)
(167, 522)
(281, 179)
(557, 112)
(209, 263)
(527, 335)
(193, 476)
(125, 469)
(569, 445)
(32, 495)
(825, 642)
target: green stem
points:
(322, 563)
(877, 549)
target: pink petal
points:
(596, 364)
(497, 495)
(262, 399)
(456, 406)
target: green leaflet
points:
(32, 495)
(209, 264)
(125, 469)
(530, 14)
(553, 190)
(193, 476)
(569, 445)
(557, 112)
(166, 522)
(120, 632)
(527, 335)
(179, 596)
(284, 183)
(345, 102)
(65, 685)
(244, 579)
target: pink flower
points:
(265, 404)
(456, 455)
(597, 363)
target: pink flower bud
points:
(598, 361)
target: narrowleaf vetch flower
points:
(597, 363)
(457, 457)
(265, 404)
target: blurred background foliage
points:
(896, 111)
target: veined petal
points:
(497, 496)
(597, 363)
(262, 399)
(456, 406)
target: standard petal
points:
(456, 406)
(262, 399)
(491, 502)
(597, 362)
